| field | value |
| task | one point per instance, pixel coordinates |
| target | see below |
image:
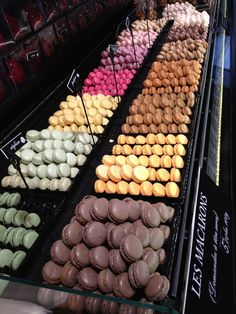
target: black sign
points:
(210, 281)
(127, 22)
(74, 82)
(11, 147)
(113, 49)
(32, 55)
(145, 8)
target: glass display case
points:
(199, 246)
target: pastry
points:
(162, 175)
(108, 160)
(110, 187)
(126, 172)
(140, 174)
(177, 161)
(152, 174)
(120, 160)
(175, 175)
(143, 161)
(134, 188)
(172, 189)
(146, 188)
(102, 172)
(132, 160)
(166, 161)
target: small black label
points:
(74, 82)
(113, 49)
(127, 22)
(62, 31)
(32, 55)
(12, 146)
(145, 8)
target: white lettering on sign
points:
(225, 236)
(199, 248)
(213, 281)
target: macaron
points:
(88, 279)
(17, 259)
(29, 238)
(131, 248)
(156, 238)
(99, 209)
(106, 280)
(157, 287)
(72, 234)
(80, 255)
(116, 262)
(99, 257)
(118, 211)
(69, 274)
(138, 273)
(51, 272)
(152, 260)
(94, 233)
(122, 287)
(150, 216)
(60, 253)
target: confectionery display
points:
(99, 197)
(18, 231)
(112, 246)
(50, 159)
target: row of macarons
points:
(10, 199)
(18, 217)
(100, 89)
(18, 236)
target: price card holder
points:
(113, 50)
(75, 86)
(145, 11)
(9, 152)
(30, 56)
(210, 277)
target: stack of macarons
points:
(103, 81)
(114, 247)
(125, 58)
(17, 231)
(71, 115)
(50, 159)
(147, 165)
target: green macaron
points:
(14, 200)
(17, 259)
(29, 238)
(31, 220)
(4, 197)
(2, 213)
(2, 233)
(5, 258)
(17, 238)
(8, 216)
(19, 218)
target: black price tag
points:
(63, 31)
(113, 49)
(12, 146)
(127, 22)
(74, 82)
(32, 55)
(145, 8)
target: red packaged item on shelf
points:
(34, 14)
(17, 66)
(72, 3)
(5, 86)
(48, 41)
(50, 9)
(62, 30)
(61, 6)
(33, 54)
(16, 20)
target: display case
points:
(199, 246)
